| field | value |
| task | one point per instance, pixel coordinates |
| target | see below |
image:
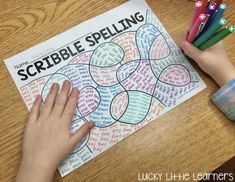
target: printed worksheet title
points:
(76, 47)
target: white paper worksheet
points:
(127, 68)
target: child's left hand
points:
(47, 138)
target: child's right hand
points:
(214, 61)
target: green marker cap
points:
(223, 6)
(231, 28)
(223, 21)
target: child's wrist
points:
(32, 170)
(230, 76)
(224, 77)
(38, 163)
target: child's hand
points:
(47, 138)
(214, 61)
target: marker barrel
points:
(217, 37)
(218, 2)
(210, 32)
(210, 12)
(204, 6)
(195, 28)
(219, 14)
(197, 12)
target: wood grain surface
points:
(193, 137)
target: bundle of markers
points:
(207, 24)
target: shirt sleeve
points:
(224, 99)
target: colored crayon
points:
(196, 27)
(210, 32)
(217, 37)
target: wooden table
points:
(193, 137)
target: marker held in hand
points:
(196, 27)
(217, 37)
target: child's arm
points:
(47, 139)
(215, 62)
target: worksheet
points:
(126, 66)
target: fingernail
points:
(66, 82)
(54, 85)
(91, 124)
(38, 97)
(74, 90)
